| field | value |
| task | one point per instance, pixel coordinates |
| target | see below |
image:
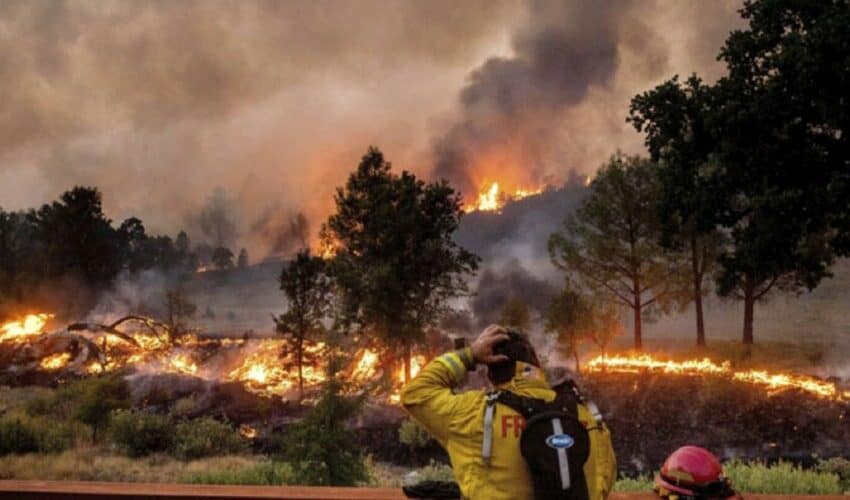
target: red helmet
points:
(695, 472)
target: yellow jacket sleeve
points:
(429, 397)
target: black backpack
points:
(554, 443)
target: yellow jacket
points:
(456, 421)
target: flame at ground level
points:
(55, 361)
(772, 382)
(28, 326)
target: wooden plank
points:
(66, 490)
(85, 490)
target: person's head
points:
(516, 348)
(692, 472)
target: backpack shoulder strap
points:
(525, 406)
(487, 442)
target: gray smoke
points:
(281, 232)
(217, 220)
(498, 284)
(559, 101)
(563, 49)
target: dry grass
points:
(97, 464)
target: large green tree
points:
(673, 116)
(19, 258)
(307, 288)
(78, 238)
(782, 122)
(611, 244)
(396, 264)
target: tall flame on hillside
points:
(772, 382)
(493, 197)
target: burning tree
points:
(178, 309)
(396, 264)
(307, 288)
(611, 244)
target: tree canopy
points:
(611, 244)
(395, 262)
(673, 116)
(307, 289)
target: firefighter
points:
(693, 473)
(455, 419)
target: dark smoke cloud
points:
(158, 102)
(543, 110)
(512, 105)
(500, 283)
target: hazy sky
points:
(160, 102)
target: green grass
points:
(782, 478)
(265, 473)
(635, 484)
(779, 478)
(89, 463)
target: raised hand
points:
(482, 347)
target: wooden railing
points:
(67, 490)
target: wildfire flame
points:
(182, 363)
(20, 330)
(367, 365)
(247, 431)
(772, 382)
(263, 366)
(55, 361)
(416, 364)
(492, 198)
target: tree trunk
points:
(636, 307)
(299, 353)
(749, 305)
(575, 357)
(638, 332)
(697, 275)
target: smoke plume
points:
(558, 102)
(158, 103)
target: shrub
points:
(435, 471)
(321, 449)
(93, 400)
(39, 406)
(140, 434)
(839, 466)
(53, 435)
(267, 473)
(184, 407)
(634, 484)
(413, 435)
(780, 478)
(16, 436)
(205, 437)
